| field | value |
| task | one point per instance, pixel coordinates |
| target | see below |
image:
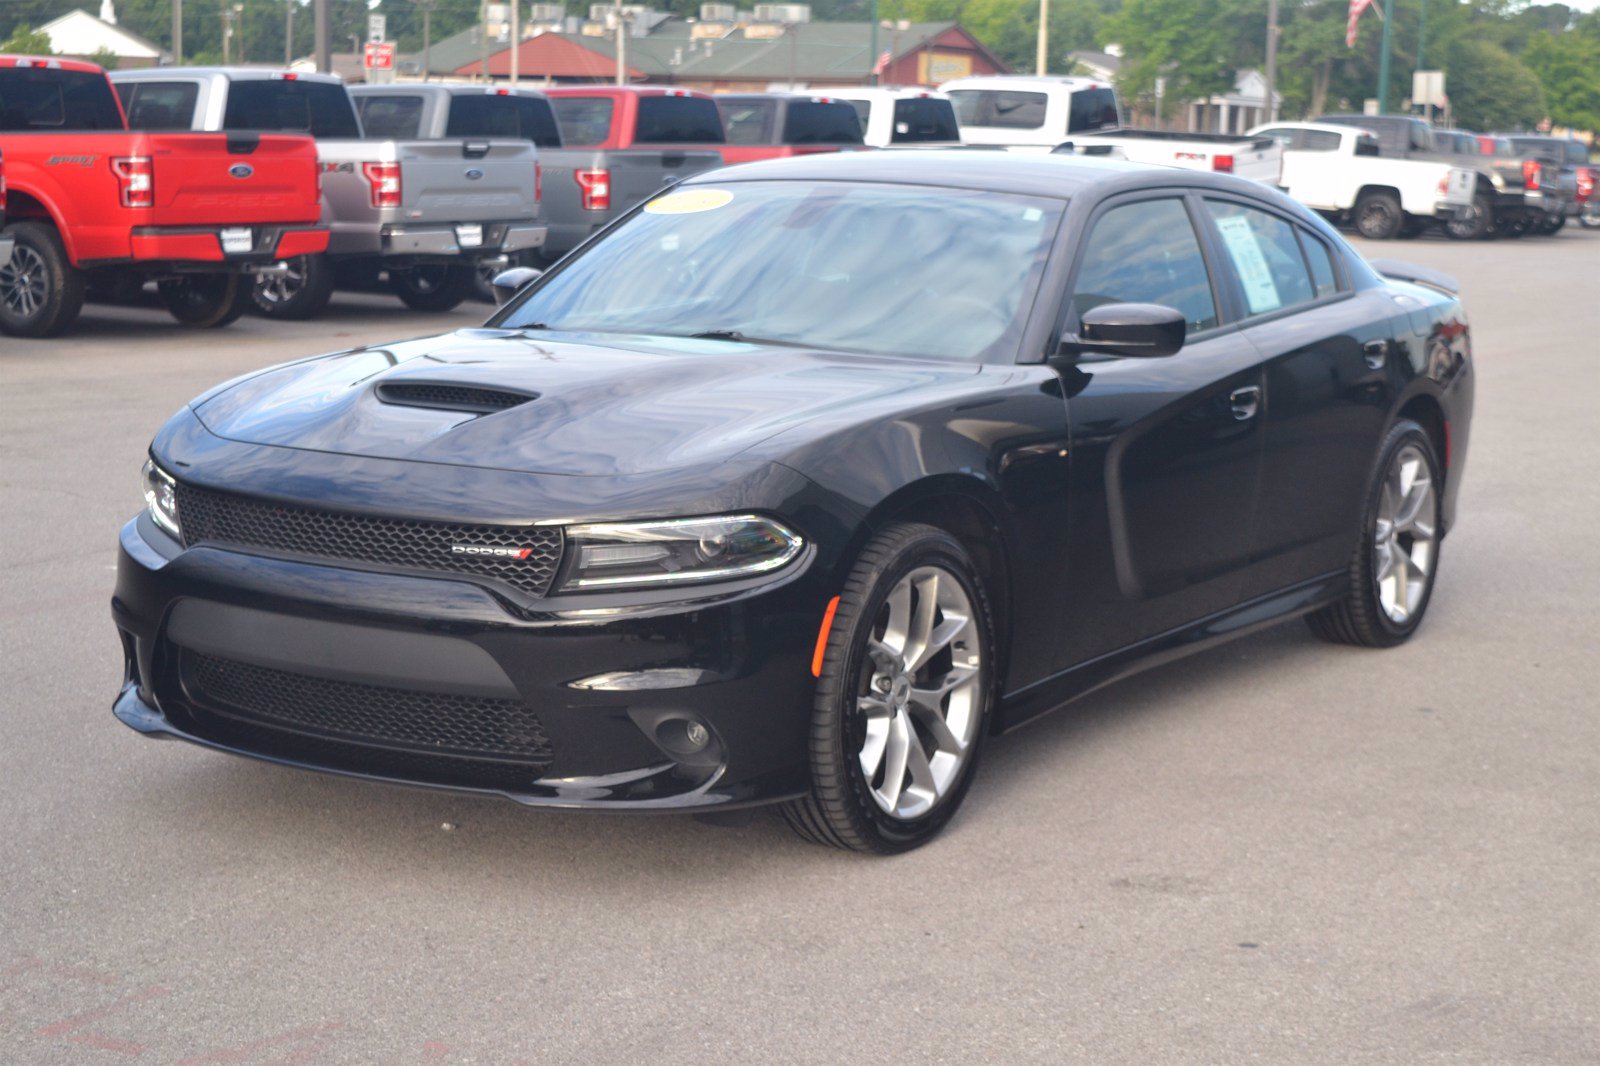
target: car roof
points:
(1318, 127)
(1043, 82)
(879, 92)
(231, 73)
(1059, 176)
(11, 59)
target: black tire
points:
(1359, 617)
(433, 288)
(1379, 216)
(483, 276)
(1551, 224)
(1511, 228)
(1476, 224)
(1412, 228)
(205, 301)
(841, 811)
(297, 295)
(41, 292)
(1589, 217)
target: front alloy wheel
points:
(903, 697)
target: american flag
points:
(1356, 8)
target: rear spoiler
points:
(1418, 275)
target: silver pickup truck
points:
(423, 210)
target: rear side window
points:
(1318, 141)
(1323, 279)
(584, 120)
(678, 120)
(749, 121)
(999, 107)
(1366, 144)
(1093, 109)
(523, 118)
(159, 105)
(319, 108)
(808, 122)
(863, 112)
(44, 99)
(1146, 252)
(1266, 256)
(386, 118)
(924, 119)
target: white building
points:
(1237, 111)
(80, 34)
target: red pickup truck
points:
(89, 200)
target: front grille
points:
(452, 397)
(209, 517)
(441, 738)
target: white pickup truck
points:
(1337, 171)
(1042, 114)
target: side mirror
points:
(507, 283)
(1141, 330)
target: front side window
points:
(1266, 256)
(160, 105)
(1004, 108)
(874, 268)
(390, 117)
(923, 119)
(749, 121)
(1146, 252)
(278, 105)
(584, 120)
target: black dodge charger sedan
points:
(799, 482)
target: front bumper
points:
(563, 708)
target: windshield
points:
(885, 269)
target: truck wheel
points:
(1379, 217)
(1510, 227)
(433, 288)
(41, 292)
(205, 301)
(303, 291)
(1475, 224)
(1552, 224)
(1412, 228)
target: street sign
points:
(377, 28)
(380, 56)
(1427, 87)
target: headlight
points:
(161, 498)
(677, 551)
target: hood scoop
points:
(445, 396)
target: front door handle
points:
(1376, 353)
(1245, 402)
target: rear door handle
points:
(1245, 402)
(1376, 353)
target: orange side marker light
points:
(822, 637)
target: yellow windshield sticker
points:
(689, 202)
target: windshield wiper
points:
(743, 338)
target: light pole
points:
(177, 33)
(319, 12)
(1383, 57)
(288, 32)
(622, 42)
(1043, 61)
(872, 47)
(1270, 107)
(238, 22)
(427, 7)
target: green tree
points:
(25, 40)
(1568, 67)
(1490, 88)
(1198, 46)
(1010, 28)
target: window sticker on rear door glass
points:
(1259, 289)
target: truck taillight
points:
(1222, 164)
(596, 186)
(385, 181)
(1444, 185)
(1586, 181)
(136, 180)
(1530, 174)
(538, 182)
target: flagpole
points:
(872, 49)
(1383, 57)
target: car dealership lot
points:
(1280, 849)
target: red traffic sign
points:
(380, 56)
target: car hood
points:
(602, 404)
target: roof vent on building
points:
(547, 12)
(782, 12)
(719, 12)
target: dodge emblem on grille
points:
(483, 549)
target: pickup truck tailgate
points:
(231, 179)
(639, 173)
(467, 181)
(1258, 161)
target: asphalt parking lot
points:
(1280, 851)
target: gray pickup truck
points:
(423, 210)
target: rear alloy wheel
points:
(1392, 573)
(1475, 223)
(1552, 224)
(41, 292)
(1379, 217)
(205, 301)
(903, 699)
(300, 292)
(433, 288)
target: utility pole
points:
(516, 39)
(177, 33)
(1422, 39)
(872, 59)
(319, 11)
(1270, 108)
(1383, 57)
(483, 44)
(1043, 62)
(288, 32)
(227, 31)
(622, 44)
(238, 28)
(427, 7)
